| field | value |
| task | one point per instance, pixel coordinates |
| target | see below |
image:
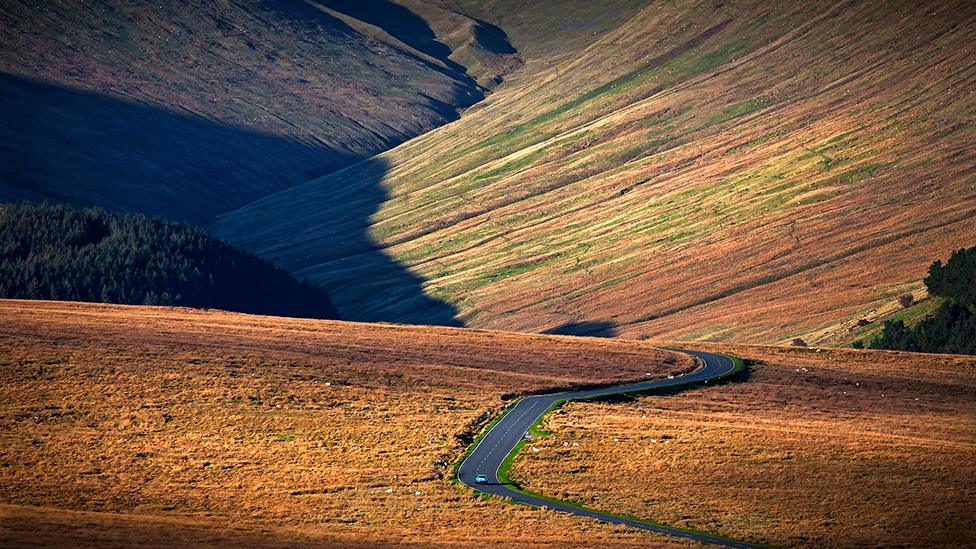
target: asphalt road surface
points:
(491, 451)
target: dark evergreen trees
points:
(956, 279)
(952, 328)
(58, 252)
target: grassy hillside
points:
(707, 171)
(139, 426)
(545, 30)
(209, 428)
(189, 109)
(829, 449)
(434, 29)
(57, 252)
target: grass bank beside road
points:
(829, 448)
(535, 431)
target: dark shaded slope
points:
(546, 29)
(399, 22)
(343, 257)
(321, 93)
(73, 146)
(482, 49)
(468, 47)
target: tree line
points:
(63, 253)
(952, 327)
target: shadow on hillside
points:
(395, 20)
(407, 27)
(592, 328)
(341, 254)
(63, 145)
(398, 21)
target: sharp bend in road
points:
(487, 457)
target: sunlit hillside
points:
(715, 171)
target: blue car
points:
(480, 479)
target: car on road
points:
(481, 479)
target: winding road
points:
(487, 457)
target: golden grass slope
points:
(817, 449)
(138, 426)
(735, 171)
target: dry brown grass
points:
(824, 449)
(154, 426)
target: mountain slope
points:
(707, 172)
(189, 109)
(439, 32)
(546, 30)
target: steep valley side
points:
(747, 172)
(189, 109)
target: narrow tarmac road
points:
(487, 457)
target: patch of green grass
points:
(512, 166)
(782, 198)
(735, 111)
(456, 240)
(780, 188)
(765, 138)
(699, 58)
(909, 315)
(508, 271)
(822, 196)
(950, 130)
(636, 151)
(663, 117)
(682, 236)
(536, 428)
(581, 266)
(859, 173)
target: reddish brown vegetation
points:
(817, 448)
(128, 425)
